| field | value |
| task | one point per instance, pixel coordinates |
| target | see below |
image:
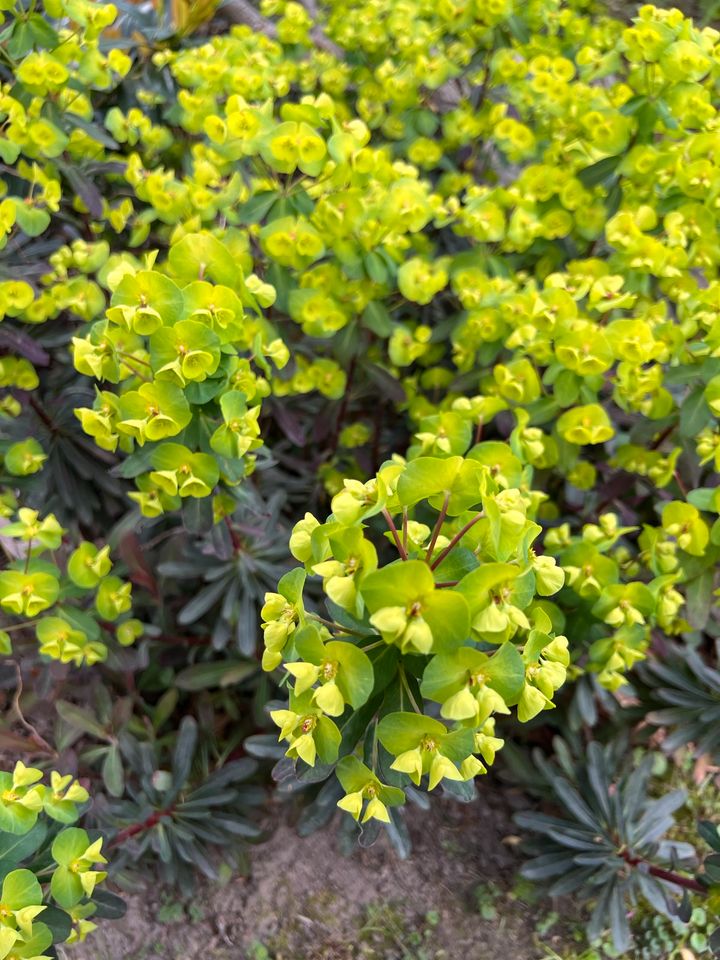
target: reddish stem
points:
(455, 540)
(335, 439)
(135, 828)
(42, 414)
(662, 436)
(395, 535)
(436, 529)
(679, 482)
(688, 883)
(234, 538)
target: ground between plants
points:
(304, 901)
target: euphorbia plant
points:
(258, 270)
(422, 651)
(49, 871)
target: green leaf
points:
(426, 477)
(327, 740)
(9, 151)
(257, 207)
(705, 498)
(633, 105)
(694, 414)
(401, 731)
(84, 187)
(375, 267)
(21, 889)
(710, 833)
(201, 256)
(356, 679)
(376, 318)
(506, 672)
(397, 584)
(699, 593)
(17, 848)
(711, 867)
(183, 754)
(217, 673)
(448, 616)
(21, 41)
(31, 220)
(69, 845)
(109, 906)
(599, 172)
(291, 584)
(64, 811)
(38, 943)
(458, 744)
(664, 113)
(81, 719)
(432, 478)
(8, 938)
(503, 671)
(352, 774)
(477, 584)
(66, 888)
(93, 130)
(518, 29)
(112, 772)
(42, 33)
(457, 564)
(384, 661)
(58, 922)
(448, 672)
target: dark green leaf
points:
(257, 207)
(218, 673)
(108, 905)
(699, 593)
(14, 849)
(599, 172)
(694, 414)
(112, 772)
(81, 718)
(59, 921)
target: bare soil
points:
(304, 901)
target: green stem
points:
(375, 748)
(373, 646)
(406, 685)
(337, 627)
(21, 626)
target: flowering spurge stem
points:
(455, 540)
(687, 883)
(135, 828)
(337, 627)
(406, 686)
(437, 528)
(395, 535)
